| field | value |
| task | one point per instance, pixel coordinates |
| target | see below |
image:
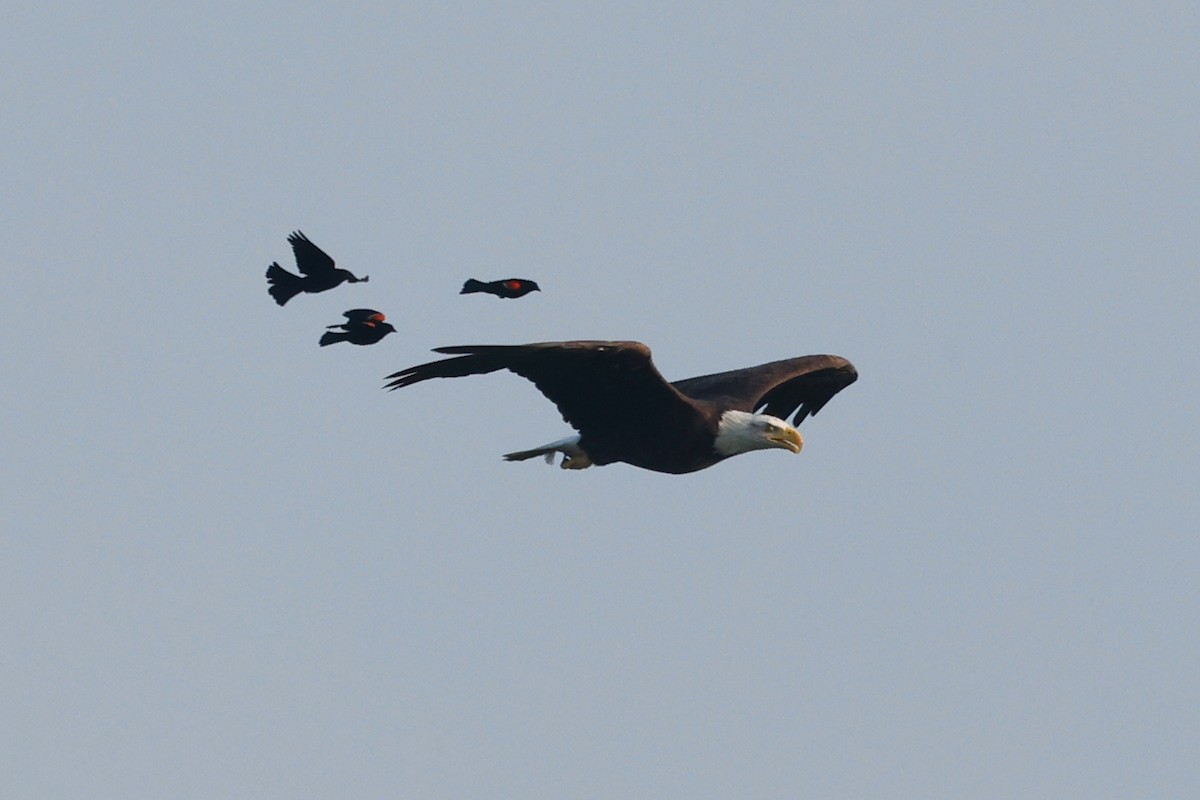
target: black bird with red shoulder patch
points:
(362, 326)
(317, 272)
(512, 288)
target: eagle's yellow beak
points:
(790, 438)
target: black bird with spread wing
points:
(626, 411)
(362, 326)
(317, 268)
(512, 288)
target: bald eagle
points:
(624, 410)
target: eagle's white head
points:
(741, 432)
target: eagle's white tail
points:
(573, 455)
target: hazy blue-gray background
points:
(233, 567)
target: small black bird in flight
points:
(362, 326)
(316, 267)
(511, 288)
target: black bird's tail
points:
(473, 285)
(284, 285)
(329, 337)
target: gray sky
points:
(233, 567)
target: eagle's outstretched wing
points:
(801, 385)
(597, 386)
